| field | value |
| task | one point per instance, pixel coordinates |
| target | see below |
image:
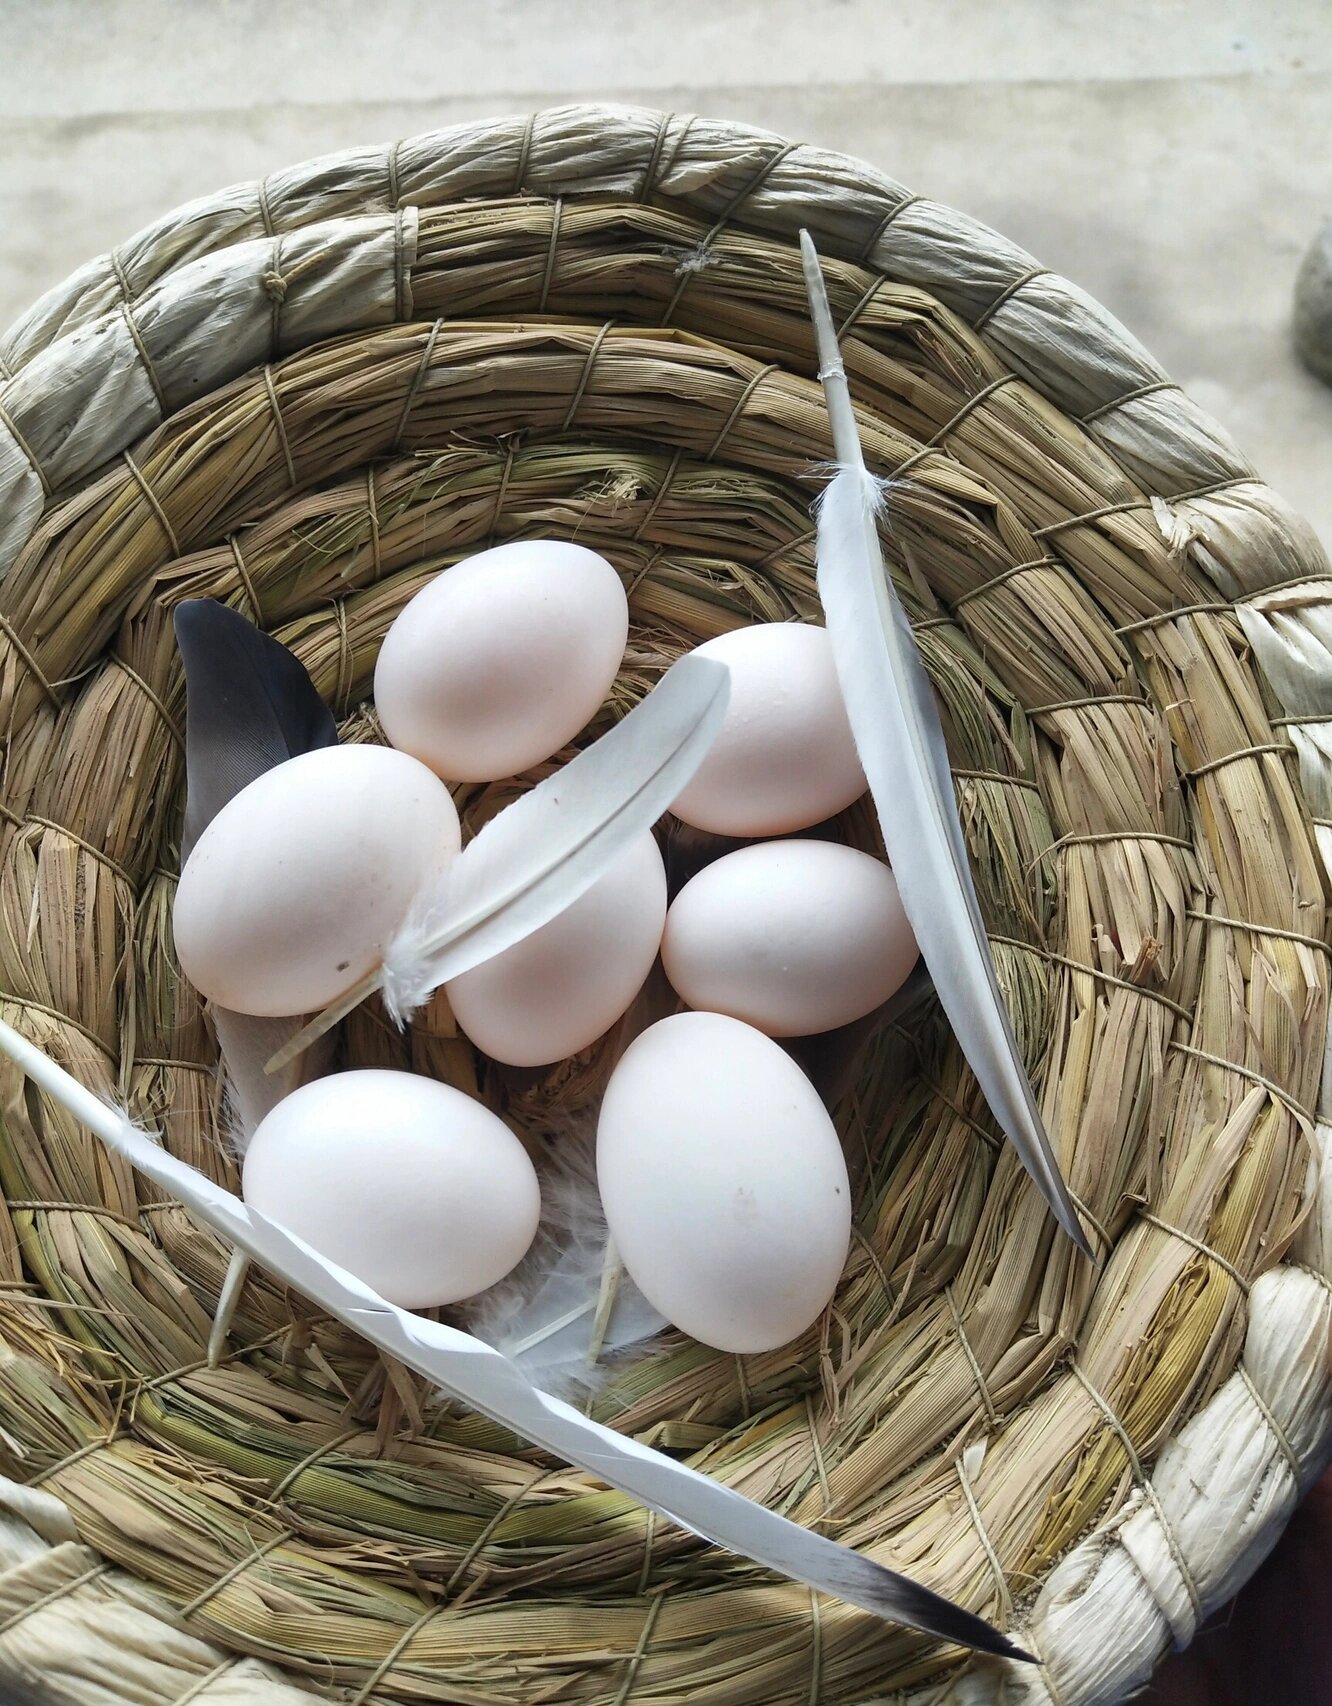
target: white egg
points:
(407, 1183)
(723, 1181)
(502, 659)
(560, 988)
(793, 937)
(784, 757)
(296, 886)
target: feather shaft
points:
(233, 1283)
(531, 1340)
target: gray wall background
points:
(1173, 158)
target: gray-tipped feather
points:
(899, 737)
(249, 705)
(496, 1387)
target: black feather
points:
(250, 704)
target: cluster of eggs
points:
(721, 1175)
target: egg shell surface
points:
(723, 1182)
(556, 991)
(502, 659)
(793, 937)
(784, 757)
(294, 889)
(407, 1183)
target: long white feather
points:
(545, 850)
(481, 1377)
(900, 740)
(543, 1314)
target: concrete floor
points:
(1172, 158)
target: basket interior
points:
(1146, 869)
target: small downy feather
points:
(480, 1376)
(543, 1315)
(570, 1315)
(899, 737)
(537, 856)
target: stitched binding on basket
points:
(556, 212)
(1256, 929)
(815, 1650)
(283, 441)
(127, 310)
(501, 491)
(1007, 295)
(973, 1361)
(640, 1651)
(654, 158)
(649, 1532)
(283, 1538)
(11, 427)
(1278, 1433)
(154, 503)
(1097, 972)
(203, 1683)
(524, 152)
(978, 1523)
(395, 1653)
(1199, 1244)
(658, 497)
(1144, 1484)
(29, 662)
(741, 403)
(151, 695)
(1132, 396)
(321, 1451)
(698, 258)
(423, 367)
(594, 350)
(94, 1573)
(1001, 579)
(935, 443)
(244, 575)
(372, 510)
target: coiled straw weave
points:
(306, 396)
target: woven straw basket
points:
(306, 396)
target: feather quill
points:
(540, 854)
(899, 737)
(481, 1377)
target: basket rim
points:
(1126, 403)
